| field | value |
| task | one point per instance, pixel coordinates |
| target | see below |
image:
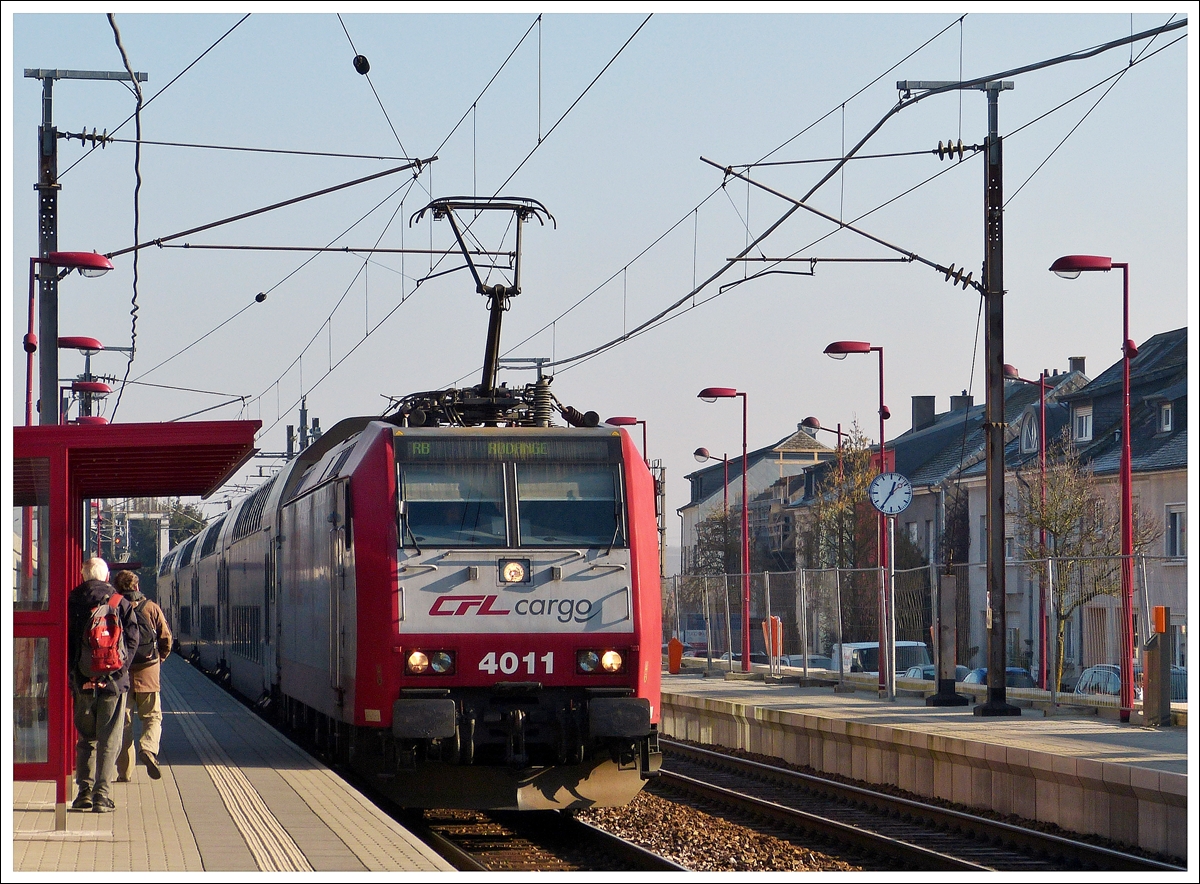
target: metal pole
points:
(891, 647)
(728, 624)
(745, 547)
(997, 703)
(770, 635)
(707, 624)
(1126, 516)
(803, 617)
(1052, 618)
(837, 585)
(886, 680)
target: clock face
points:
(890, 493)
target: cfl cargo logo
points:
(461, 605)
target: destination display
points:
(443, 449)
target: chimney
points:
(958, 403)
(1076, 363)
(923, 409)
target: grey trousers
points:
(100, 722)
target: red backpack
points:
(103, 652)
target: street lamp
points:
(810, 425)
(88, 264)
(840, 350)
(1069, 267)
(629, 422)
(702, 456)
(1011, 373)
(712, 394)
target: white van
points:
(864, 656)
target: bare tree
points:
(1076, 521)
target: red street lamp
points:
(88, 264)
(1011, 373)
(629, 422)
(840, 350)
(1069, 267)
(712, 394)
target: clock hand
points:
(895, 485)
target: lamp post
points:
(1069, 267)
(712, 394)
(1011, 373)
(840, 350)
(811, 425)
(702, 456)
(88, 264)
(629, 422)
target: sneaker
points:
(151, 763)
(100, 804)
(83, 801)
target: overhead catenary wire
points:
(903, 103)
(136, 88)
(169, 84)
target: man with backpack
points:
(153, 647)
(102, 637)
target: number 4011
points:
(508, 663)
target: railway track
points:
(886, 830)
(530, 841)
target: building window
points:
(1166, 417)
(910, 529)
(1010, 546)
(1082, 421)
(1176, 533)
(1029, 433)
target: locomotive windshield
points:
(455, 504)
(505, 491)
(567, 505)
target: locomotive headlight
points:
(588, 661)
(612, 661)
(442, 662)
(418, 663)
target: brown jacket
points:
(144, 678)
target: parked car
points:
(688, 650)
(1104, 679)
(815, 661)
(929, 672)
(864, 656)
(754, 658)
(1014, 677)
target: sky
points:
(607, 119)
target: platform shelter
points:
(55, 470)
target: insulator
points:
(416, 418)
(949, 273)
(949, 149)
(361, 64)
(543, 404)
(966, 283)
(576, 418)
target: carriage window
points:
(454, 504)
(568, 505)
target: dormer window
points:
(1082, 422)
(1029, 433)
(1166, 417)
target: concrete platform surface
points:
(1085, 773)
(235, 796)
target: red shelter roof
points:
(133, 460)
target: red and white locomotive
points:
(469, 615)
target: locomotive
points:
(457, 599)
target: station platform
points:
(235, 796)
(1088, 774)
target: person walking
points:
(154, 647)
(102, 637)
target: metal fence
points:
(1067, 610)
